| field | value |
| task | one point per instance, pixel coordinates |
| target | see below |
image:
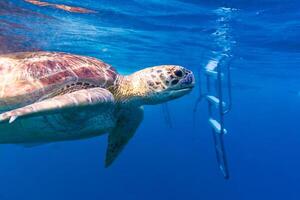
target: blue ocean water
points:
(163, 162)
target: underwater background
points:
(169, 158)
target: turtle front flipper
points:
(67, 102)
(127, 124)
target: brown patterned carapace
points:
(28, 77)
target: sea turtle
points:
(55, 96)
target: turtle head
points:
(153, 85)
(167, 82)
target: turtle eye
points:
(178, 73)
(174, 82)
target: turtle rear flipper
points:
(67, 102)
(126, 126)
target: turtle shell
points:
(28, 77)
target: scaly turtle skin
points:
(53, 96)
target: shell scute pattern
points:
(38, 70)
(30, 76)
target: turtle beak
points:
(185, 84)
(188, 81)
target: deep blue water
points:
(263, 141)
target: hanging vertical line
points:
(223, 165)
(229, 106)
(199, 98)
(200, 93)
(167, 115)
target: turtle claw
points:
(12, 119)
(8, 117)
